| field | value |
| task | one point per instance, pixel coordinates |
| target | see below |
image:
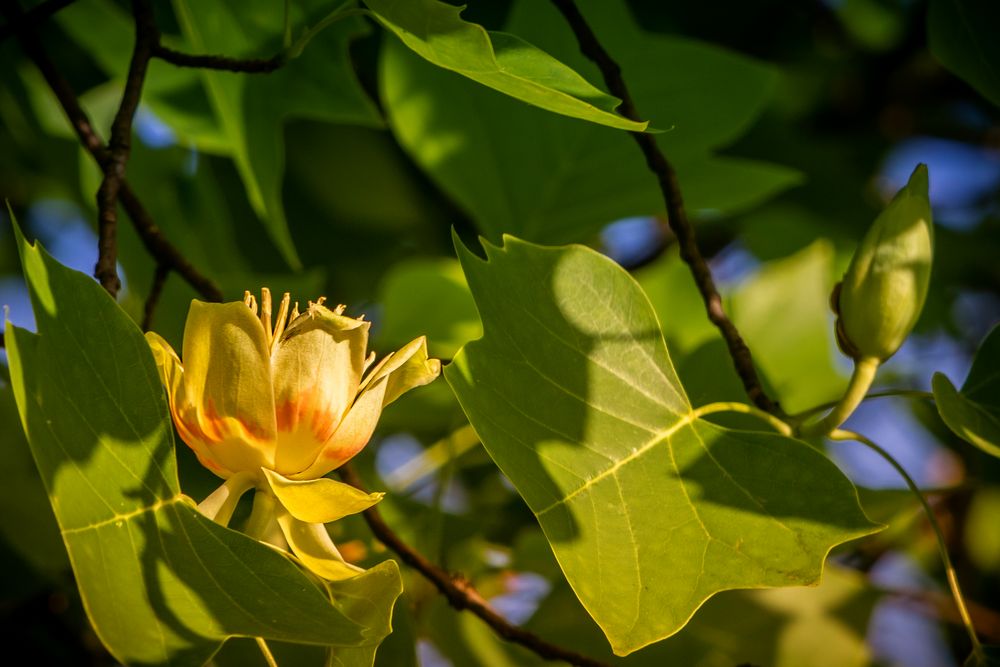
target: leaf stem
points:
(268, 656)
(726, 406)
(956, 591)
(861, 381)
(910, 393)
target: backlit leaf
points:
(649, 509)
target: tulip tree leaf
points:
(161, 583)
(320, 84)
(974, 412)
(548, 179)
(963, 37)
(649, 509)
(434, 31)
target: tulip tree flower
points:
(277, 407)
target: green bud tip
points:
(886, 283)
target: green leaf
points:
(320, 84)
(428, 297)
(579, 177)
(973, 413)
(963, 37)
(649, 509)
(434, 31)
(161, 583)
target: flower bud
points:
(885, 286)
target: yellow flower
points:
(293, 398)
(275, 408)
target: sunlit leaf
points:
(505, 62)
(161, 583)
(649, 509)
(974, 412)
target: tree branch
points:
(120, 147)
(676, 215)
(224, 63)
(159, 280)
(460, 593)
(33, 17)
(151, 235)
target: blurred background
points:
(791, 125)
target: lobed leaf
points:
(649, 509)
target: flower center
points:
(273, 333)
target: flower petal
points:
(312, 545)
(319, 500)
(352, 435)
(317, 368)
(172, 375)
(227, 380)
(405, 369)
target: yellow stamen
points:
(282, 321)
(265, 314)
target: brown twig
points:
(33, 17)
(120, 147)
(224, 63)
(459, 592)
(155, 290)
(676, 215)
(150, 234)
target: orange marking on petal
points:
(286, 416)
(323, 425)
